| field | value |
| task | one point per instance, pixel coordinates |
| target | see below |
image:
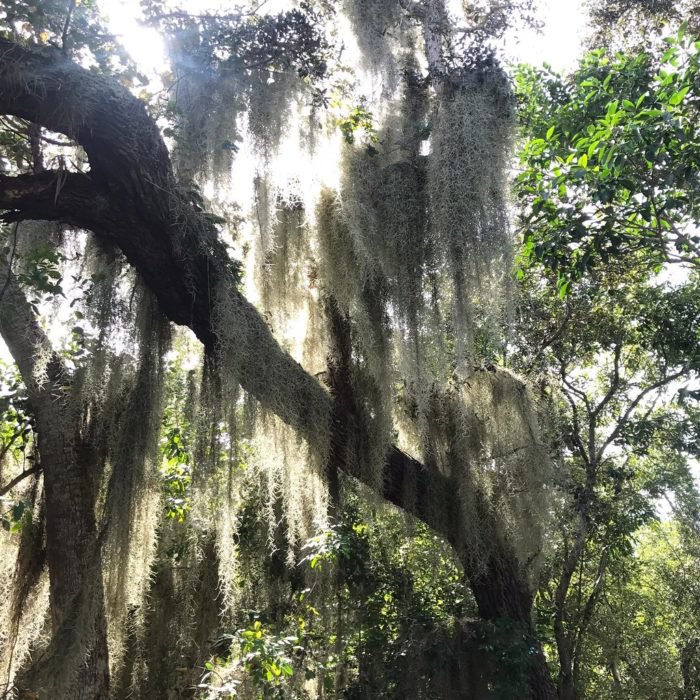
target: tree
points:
(207, 508)
(642, 21)
(95, 443)
(624, 437)
(605, 210)
(610, 160)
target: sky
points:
(559, 43)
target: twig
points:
(11, 484)
(6, 447)
(66, 26)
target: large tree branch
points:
(131, 197)
(53, 195)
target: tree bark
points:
(76, 597)
(130, 197)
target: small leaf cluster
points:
(176, 475)
(16, 518)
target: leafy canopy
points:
(610, 164)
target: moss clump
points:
(377, 27)
(467, 182)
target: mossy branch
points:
(132, 199)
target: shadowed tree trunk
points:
(76, 594)
(131, 199)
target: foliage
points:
(372, 607)
(608, 168)
(70, 25)
(608, 208)
(359, 118)
(636, 23)
(259, 654)
(176, 474)
(647, 620)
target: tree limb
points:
(53, 195)
(614, 383)
(131, 197)
(624, 418)
(20, 477)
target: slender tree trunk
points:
(77, 656)
(566, 688)
(690, 668)
(565, 638)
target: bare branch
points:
(13, 438)
(66, 26)
(624, 418)
(52, 195)
(20, 477)
(576, 424)
(551, 339)
(614, 383)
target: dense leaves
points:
(610, 165)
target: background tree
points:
(605, 211)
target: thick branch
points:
(431, 14)
(53, 195)
(131, 197)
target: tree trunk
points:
(77, 663)
(75, 572)
(503, 594)
(565, 687)
(565, 637)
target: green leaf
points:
(677, 98)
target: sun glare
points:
(559, 42)
(144, 44)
